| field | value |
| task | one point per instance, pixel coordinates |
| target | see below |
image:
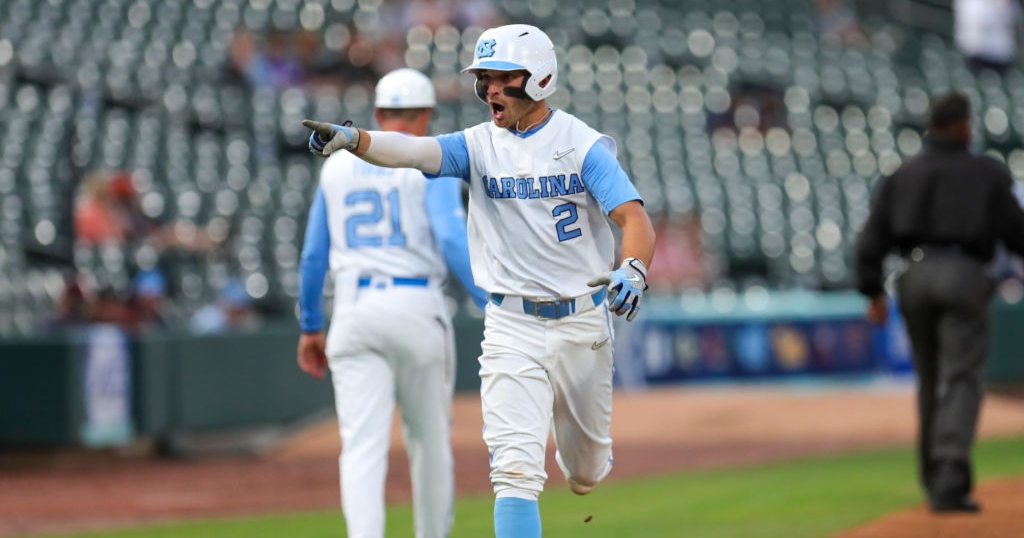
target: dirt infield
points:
(655, 431)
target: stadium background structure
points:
(735, 111)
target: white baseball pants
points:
(394, 344)
(540, 376)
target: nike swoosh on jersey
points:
(598, 345)
(563, 153)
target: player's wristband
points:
(352, 133)
(636, 265)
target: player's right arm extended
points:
(382, 148)
(397, 150)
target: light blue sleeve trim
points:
(454, 156)
(313, 265)
(447, 221)
(606, 180)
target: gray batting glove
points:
(328, 137)
(626, 286)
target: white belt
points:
(381, 282)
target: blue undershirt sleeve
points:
(313, 266)
(606, 180)
(448, 222)
(454, 156)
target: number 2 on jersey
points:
(373, 215)
(565, 234)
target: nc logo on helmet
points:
(485, 49)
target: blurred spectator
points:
(437, 13)
(98, 219)
(679, 249)
(241, 51)
(277, 66)
(72, 310)
(752, 105)
(838, 24)
(430, 13)
(320, 65)
(232, 311)
(269, 61)
(140, 311)
(146, 309)
(986, 33)
(336, 70)
(109, 307)
(479, 13)
(108, 212)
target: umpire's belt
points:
(387, 281)
(939, 250)
(558, 308)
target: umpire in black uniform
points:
(943, 211)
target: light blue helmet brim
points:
(497, 66)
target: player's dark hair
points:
(949, 109)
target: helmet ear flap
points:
(480, 87)
(537, 88)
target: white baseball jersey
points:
(536, 227)
(371, 206)
(537, 214)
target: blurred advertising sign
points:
(694, 349)
(765, 334)
(106, 387)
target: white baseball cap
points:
(404, 88)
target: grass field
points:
(806, 498)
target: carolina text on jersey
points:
(528, 187)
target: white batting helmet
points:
(514, 47)
(404, 88)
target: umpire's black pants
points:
(944, 301)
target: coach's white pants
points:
(391, 345)
(539, 376)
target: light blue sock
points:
(516, 518)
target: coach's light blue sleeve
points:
(447, 220)
(454, 156)
(313, 266)
(606, 180)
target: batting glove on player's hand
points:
(626, 286)
(328, 137)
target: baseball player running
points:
(541, 183)
(385, 234)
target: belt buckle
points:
(538, 306)
(555, 309)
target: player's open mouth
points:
(497, 111)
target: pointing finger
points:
(325, 130)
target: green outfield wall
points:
(90, 388)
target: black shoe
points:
(958, 504)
